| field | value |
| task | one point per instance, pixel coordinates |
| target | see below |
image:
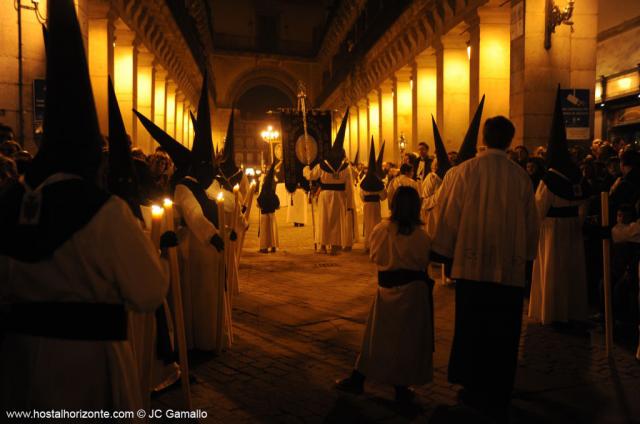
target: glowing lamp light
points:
(236, 188)
(624, 83)
(167, 203)
(598, 91)
(250, 172)
(253, 183)
(468, 52)
(157, 211)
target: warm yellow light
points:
(468, 52)
(411, 84)
(250, 172)
(156, 211)
(269, 128)
(167, 203)
(624, 83)
(220, 197)
(598, 93)
(236, 188)
(253, 183)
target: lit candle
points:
(157, 214)
(220, 203)
(167, 204)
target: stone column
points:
(363, 125)
(388, 117)
(124, 74)
(179, 116)
(159, 98)
(170, 108)
(144, 97)
(354, 129)
(426, 96)
(374, 120)
(489, 31)
(453, 88)
(536, 71)
(100, 57)
(185, 124)
(404, 101)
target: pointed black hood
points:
(180, 155)
(268, 201)
(71, 140)
(228, 166)
(441, 152)
(468, 148)
(380, 160)
(356, 160)
(558, 156)
(202, 168)
(122, 179)
(194, 122)
(336, 155)
(371, 181)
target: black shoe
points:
(350, 385)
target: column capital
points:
(124, 37)
(403, 74)
(145, 58)
(426, 59)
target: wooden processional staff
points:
(302, 107)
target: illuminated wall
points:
(100, 56)
(171, 108)
(374, 119)
(123, 74)
(388, 119)
(144, 99)
(159, 98)
(455, 98)
(426, 98)
(179, 117)
(355, 130)
(405, 105)
(363, 126)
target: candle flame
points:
(167, 203)
(156, 211)
(253, 183)
(236, 187)
(220, 197)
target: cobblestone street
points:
(298, 323)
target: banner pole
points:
(302, 105)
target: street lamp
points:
(270, 136)
(402, 142)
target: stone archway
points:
(265, 76)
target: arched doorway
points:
(253, 116)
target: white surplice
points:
(203, 277)
(110, 260)
(371, 213)
(397, 346)
(486, 219)
(430, 186)
(297, 207)
(332, 205)
(559, 282)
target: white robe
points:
(297, 207)
(559, 282)
(371, 215)
(430, 186)
(486, 219)
(349, 227)
(110, 260)
(332, 205)
(203, 278)
(397, 346)
(268, 231)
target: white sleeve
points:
(543, 200)
(448, 211)
(192, 213)
(133, 259)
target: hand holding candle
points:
(168, 210)
(157, 214)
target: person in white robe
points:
(372, 193)
(297, 208)
(430, 185)
(268, 202)
(559, 283)
(397, 345)
(335, 200)
(487, 225)
(405, 178)
(350, 219)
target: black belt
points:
(372, 198)
(334, 187)
(565, 212)
(66, 320)
(400, 277)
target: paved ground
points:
(298, 323)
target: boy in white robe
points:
(397, 346)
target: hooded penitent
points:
(180, 155)
(268, 201)
(441, 152)
(568, 185)
(380, 160)
(371, 181)
(36, 223)
(468, 148)
(229, 174)
(356, 160)
(334, 161)
(121, 179)
(202, 170)
(71, 140)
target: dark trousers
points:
(484, 355)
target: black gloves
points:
(233, 236)
(168, 239)
(216, 241)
